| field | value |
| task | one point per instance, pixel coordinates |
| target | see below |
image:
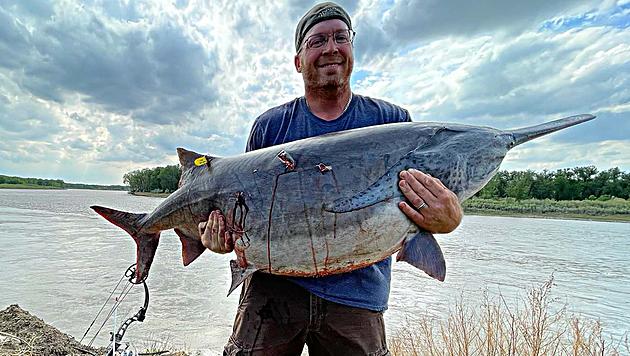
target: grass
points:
(25, 186)
(615, 209)
(538, 325)
(160, 347)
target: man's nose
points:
(331, 46)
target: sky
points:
(90, 90)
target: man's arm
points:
(442, 212)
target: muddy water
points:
(60, 261)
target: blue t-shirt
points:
(367, 287)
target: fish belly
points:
(316, 243)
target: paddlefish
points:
(327, 204)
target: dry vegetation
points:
(539, 325)
(23, 334)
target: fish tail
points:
(146, 243)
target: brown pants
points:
(277, 317)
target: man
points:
(339, 314)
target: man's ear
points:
(298, 63)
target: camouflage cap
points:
(320, 12)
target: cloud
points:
(26, 120)
(526, 79)
(538, 155)
(427, 19)
(121, 65)
(92, 89)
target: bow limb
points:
(140, 314)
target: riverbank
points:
(149, 194)
(538, 324)
(615, 210)
(27, 186)
(22, 333)
(605, 218)
(15, 182)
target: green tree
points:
(162, 179)
(520, 184)
(585, 177)
(613, 185)
(495, 187)
(169, 178)
(566, 186)
(543, 185)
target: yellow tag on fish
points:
(201, 161)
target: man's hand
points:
(214, 235)
(433, 206)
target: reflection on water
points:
(60, 261)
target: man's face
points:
(328, 66)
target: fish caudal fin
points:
(422, 251)
(191, 246)
(239, 274)
(146, 243)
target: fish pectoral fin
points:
(384, 188)
(191, 246)
(239, 274)
(423, 252)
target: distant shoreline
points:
(68, 186)
(28, 186)
(604, 218)
(612, 210)
(149, 194)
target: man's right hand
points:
(214, 235)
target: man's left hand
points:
(430, 205)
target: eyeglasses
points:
(321, 39)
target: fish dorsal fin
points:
(190, 159)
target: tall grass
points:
(538, 325)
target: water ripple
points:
(60, 260)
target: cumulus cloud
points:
(92, 89)
(120, 65)
(426, 19)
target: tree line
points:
(52, 183)
(158, 179)
(55, 183)
(579, 183)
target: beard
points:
(327, 79)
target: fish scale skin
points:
(289, 229)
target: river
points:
(59, 260)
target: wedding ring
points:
(424, 204)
